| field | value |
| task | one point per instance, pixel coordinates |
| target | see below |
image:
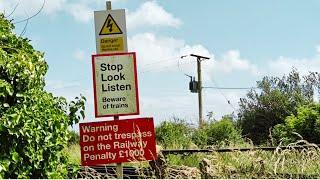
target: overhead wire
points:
(220, 90)
(25, 28)
(157, 69)
(68, 82)
(14, 9)
(229, 102)
(226, 88)
(178, 64)
(160, 61)
(233, 88)
(44, 1)
(166, 67)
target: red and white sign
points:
(117, 141)
(115, 84)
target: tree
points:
(276, 99)
(33, 123)
(306, 124)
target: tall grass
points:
(280, 163)
(74, 153)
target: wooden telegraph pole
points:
(199, 59)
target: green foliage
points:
(306, 124)
(217, 133)
(74, 138)
(33, 123)
(74, 153)
(174, 135)
(277, 98)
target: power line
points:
(166, 67)
(234, 88)
(14, 9)
(160, 61)
(32, 15)
(179, 66)
(64, 87)
(68, 82)
(229, 102)
(151, 70)
(25, 28)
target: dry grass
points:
(292, 162)
(282, 163)
(74, 153)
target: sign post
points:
(115, 94)
(111, 37)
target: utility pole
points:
(199, 59)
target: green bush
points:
(74, 138)
(174, 134)
(33, 123)
(217, 133)
(305, 124)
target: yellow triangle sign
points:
(110, 27)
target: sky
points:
(245, 40)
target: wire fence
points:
(187, 151)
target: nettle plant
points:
(33, 123)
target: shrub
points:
(74, 138)
(306, 124)
(174, 134)
(217, 133)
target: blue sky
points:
(246, 40)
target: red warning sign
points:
(106, 142)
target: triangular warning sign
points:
(110, 27)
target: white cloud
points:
(79, 54)
(151, 49)
(231, 61)
(283, 65)
(152, 14)
(80, 12)
(52, 6)
(318, 49)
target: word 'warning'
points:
(117, 141)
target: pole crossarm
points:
(199, 57)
